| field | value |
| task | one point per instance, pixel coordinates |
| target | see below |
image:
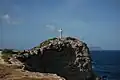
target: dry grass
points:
(26, 78)
(9, 73)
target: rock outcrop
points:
(67, 57)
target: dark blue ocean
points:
(107, 63)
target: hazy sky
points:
(25, 23)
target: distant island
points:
(95, 48)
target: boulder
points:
(67, 57)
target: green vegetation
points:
(70, 38)
(45, 42)
(7, 53)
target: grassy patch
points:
(6, 54)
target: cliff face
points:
(67, 57)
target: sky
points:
(26, 23)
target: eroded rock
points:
(67, 57)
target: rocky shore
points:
(67, 57)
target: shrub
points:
(6, 54)
(45, 42)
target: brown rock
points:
(67, 57)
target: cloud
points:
(6, 16)
(51, 27)
(7, 19)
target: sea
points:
(107, 63)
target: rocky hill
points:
(67, 57)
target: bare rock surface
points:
(67, 57)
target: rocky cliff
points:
(67, 57)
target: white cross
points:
(60, 32)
